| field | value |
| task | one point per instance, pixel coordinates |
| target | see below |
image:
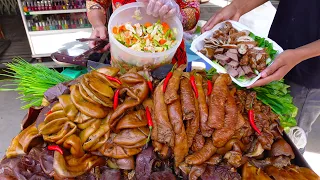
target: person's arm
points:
(244, 6)
(309, 51)
(232, 12)
(286, 61)
(96, 12)
(190, 11)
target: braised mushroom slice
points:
(281, 147)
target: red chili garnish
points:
(150, 86)
(194, 86)
(149, 118)
(150, 123)
(169, 75)
(166, 81)
(55, 148)
(113, 79)
(251, 119)
(209, 87)
(116, 99)
(49, 112)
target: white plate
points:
(198, 44)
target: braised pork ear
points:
(133, 119)
(71, 167)
(136, 88)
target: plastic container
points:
(198, 44)
(125, 58)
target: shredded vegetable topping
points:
(157, 37)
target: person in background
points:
(296, 28)
(188, 12)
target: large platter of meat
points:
(233, 48)
(109, 126)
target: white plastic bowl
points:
(122, 54)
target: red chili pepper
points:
(194, 86)
(49, 112)
(113, 79)
(209, 87)
(169, 75)
(116, 99)
(55, 148)
(166, 81)
(150, 123)
(251, 119)
(149, 118)
(150, 86)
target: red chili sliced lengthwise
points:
(116, 99)
(193, 84)
(166, 80)
(209, 87)
(55, 148)
(165, 83)
(251, 119)
(113, 79)
(49, 112)
(150, 123)
(150, 85)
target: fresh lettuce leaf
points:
(277, 96)
(262, 42)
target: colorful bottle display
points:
(58, 22)
(47, 5)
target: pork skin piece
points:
(187, 99)
(234, 51)
(163, 131)
(240, 71)
(221, 57)
(218, 98)
(219, 51)
(233, 56)
(231, 71)
(208, 52)
(242, 48)
(229, 46)
(247, 69)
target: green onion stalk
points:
(30, 81)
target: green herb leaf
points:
(276, 95)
